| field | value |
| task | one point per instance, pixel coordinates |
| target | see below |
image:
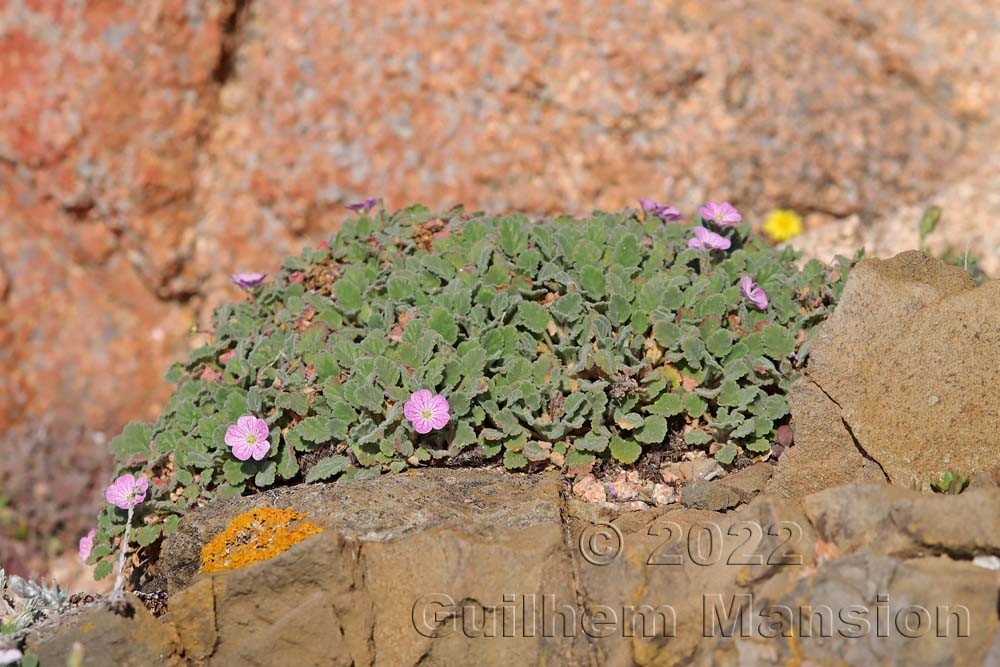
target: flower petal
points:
(259, 450)
(242, 451)
(234, 436)
(439, 404)
(261, 430)
(439, 420)
(247, 423)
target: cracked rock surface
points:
(901, 381)
(149, 149)
(416, 569)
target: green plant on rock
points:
(950, 482)
(24, 602)
(556, 343)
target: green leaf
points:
(697, 437)
(759, 446)
(778, 341)
(713, 305)
(576, 459)
(514, 460)
(628, 420)
(928, 221)
(667, 405)
(226, 491)
(731, 395)
(744, 429)
(316, 429)
(592, 442)
(775, 407)
(568, 307)
(573, 404)
(529, 260)
(653, 431)
(170, 524)
(627, 252)
(694, 405)
(347, 295)
(592, 280)
(327, 468)
(442, 321)
(464, 436)
(234, 471)
(625, 451)
(694, 351)
(726, 454)
(534, 317)
(667, 334)
(265, 475)
(102, 570)
(134, 439)
(146, 535)
(534, 452)
(174, 373)
(473, 361)
(513, 238)
(719, 343)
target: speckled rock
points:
(129, 637)
(148, 149)
(899, 522)
(472, 567)
(824, 454)
(353, 593)
(908, 362)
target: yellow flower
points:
(781, 225)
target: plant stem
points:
(121, 559)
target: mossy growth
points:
(557, 343)
(255, 536)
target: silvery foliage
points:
(25, 601)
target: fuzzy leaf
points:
(514, 460)
(102, 570)
(652, 431)
(568, 307)
(697, 437)
(694, 405)
(443, 322)
(316, 429)
(778, 341)
(625, 451)
(329, 467)
(719, 343)
(134, 439)
(591, 442)
(534, 317)
(726, 454)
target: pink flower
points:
(708, 240)
(753, 292)
(662, 211)
(248, 438)
(87, 544)
(721, 213)
(127, 491)
(426, 411)
(248, 280)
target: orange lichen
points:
(254, 536)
